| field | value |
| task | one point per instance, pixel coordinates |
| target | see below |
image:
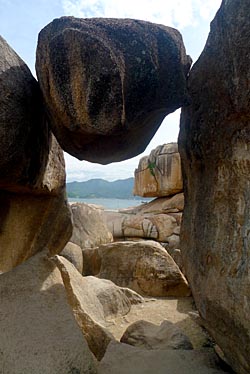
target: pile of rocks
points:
(93, 98)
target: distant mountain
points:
(100, 188)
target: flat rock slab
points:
(109, 83)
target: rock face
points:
(215, 150)
(158, 220)
(38, 331)
(159, 174)
(109, 83)
(94, 301)
(34, 213)
(24, 131)
(147, 335)
(89, 227)
(145, 267)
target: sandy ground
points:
(157, 310)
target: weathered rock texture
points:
(147, 335)
(24, 131)
(89, 226)
(159, 174)
(94, 301)
(39, 333)
(145, 267)
(215, 150)
(29, 224)
(158, 220)
(34, 213)
(109, 83)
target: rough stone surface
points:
(29, 223)
(123, 359)
(73, 253)
(158, 220)
(89, 226)
(34, 213)
(87, 307)
(144, 266)
(24, 131)
(215, 150)
(147, 335)
(109, 83)
(39, 333)
(159, 174)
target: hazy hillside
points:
(100, 188)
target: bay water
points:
(112, 204)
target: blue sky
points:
(21, 21)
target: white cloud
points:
(177, 13)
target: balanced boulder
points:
(109, 83)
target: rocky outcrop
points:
(124, 359)
(24, 130)
(94, 302)
(145, 267)
(215, 151)
(159, 174)
(147, 335)
(157, 220)
(89, 227)
(34, 213)
(39, 333)
(109, 83)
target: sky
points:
(21, 21)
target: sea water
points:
(113, 204)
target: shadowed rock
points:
(109, 83)
(214, 144)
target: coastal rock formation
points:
(24, 130)
(34, 213)
(89, 227)
(145, 267)
(159, 174)
(147, 335)
(93, 301)
(109, 83)
(39, 333)
(158, 220)
(215, 150)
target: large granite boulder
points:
(159, 220)
(94, 302)
(147, 335)
(34, 212)
(89, 226)
(37, 219)
(24, 130)
(145, 267)
(159, 174)
(109, 83)
(39, 333)
(215, 150)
